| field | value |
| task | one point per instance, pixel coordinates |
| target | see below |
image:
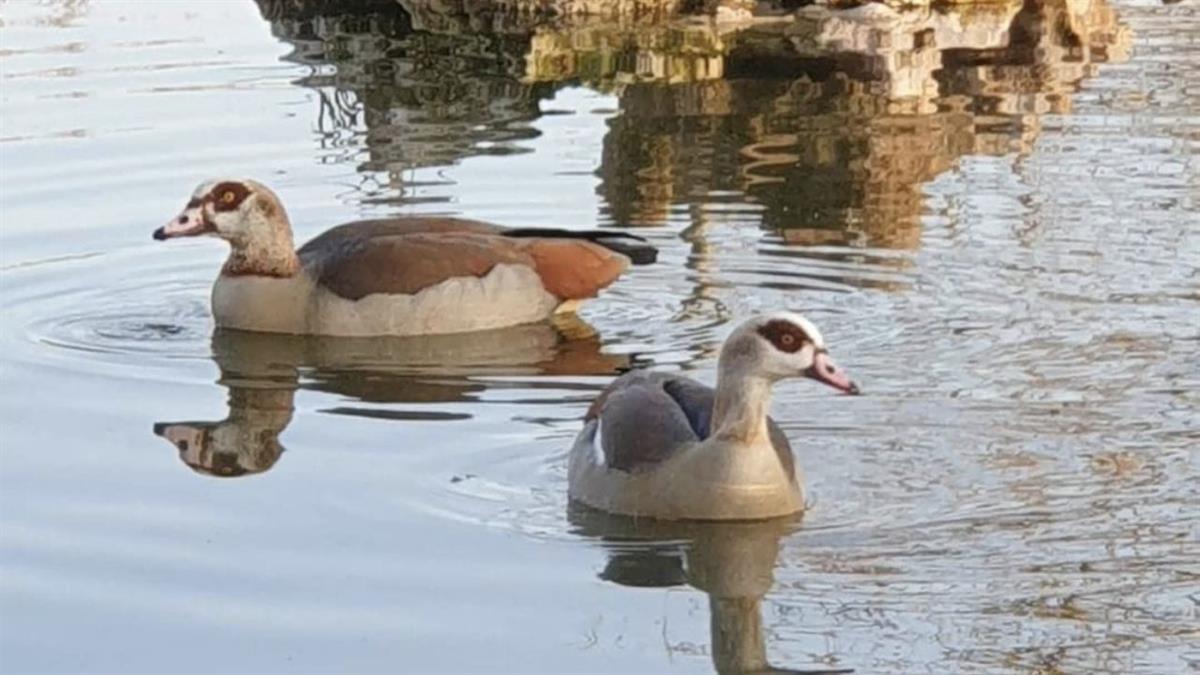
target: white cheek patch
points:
(805, 356)
(232, 223)
(811, 331)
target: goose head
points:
(779, 346)
(232, 209)
(243, 212)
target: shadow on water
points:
(732, 563)
(263, 372)
(822, 126)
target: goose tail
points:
(637, 249)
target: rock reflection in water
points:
(263, 371)
(830, 121)
(732, 562)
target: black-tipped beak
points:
(826, 371)
(190, 223)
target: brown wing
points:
(339, 237)
(573, 269)
(405, 255)
(406, 264)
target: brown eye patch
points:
(228, 196)
(784, 335)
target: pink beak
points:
(187, 224)
(825, 370)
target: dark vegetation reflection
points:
(823, 126)
(733, 563)
(377, 376)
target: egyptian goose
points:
(400, 276)
(665, 446)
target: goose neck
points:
(740, 408)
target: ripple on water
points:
(129, 324)
(88, 314)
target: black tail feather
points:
(637, 249)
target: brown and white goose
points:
(399, 276)
(665, 446)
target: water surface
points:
(992, 214)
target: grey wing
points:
(640, 424)
(696, 401)
(646, 416)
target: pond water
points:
(992, 214)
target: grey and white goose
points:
(398, 276)
(664, 446)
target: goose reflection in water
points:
(732, 562)
(262, 373)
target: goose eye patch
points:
(784, 335)
(229, 195)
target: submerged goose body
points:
(665, 446)
(397, 276)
